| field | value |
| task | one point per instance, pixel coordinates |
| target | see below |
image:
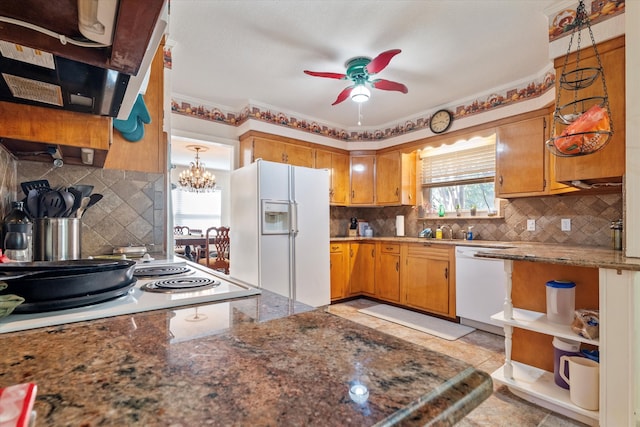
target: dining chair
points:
(216, 238)
(181, 230)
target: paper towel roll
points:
(399, 225)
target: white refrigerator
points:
(279, 230)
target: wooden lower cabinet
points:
(418, 276)
(387, 277)
(339, 270)
(427, 283)
(362, 257)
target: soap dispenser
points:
(439, 233)
(469, 233)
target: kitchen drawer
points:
(390, 248)
(336, 247)
(427, 250)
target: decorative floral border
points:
(561, 23)
(254, 112)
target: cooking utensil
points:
(94, 198)
(69, 200)
(32, 203)
(51, 281)
(83, 207)
(34, 185)
(85, 189)
(73, 302)
(53, 203)
(77, 200)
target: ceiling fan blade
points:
(389, 85)
(327, 75)
(343, 95)
(378, 63)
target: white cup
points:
(583, 380)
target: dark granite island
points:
(256, 361)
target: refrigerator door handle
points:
(294, 218)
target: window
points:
(197, 210)
(460, 175)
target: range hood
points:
(59, 82)
(39, 70)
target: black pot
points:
(50, 281)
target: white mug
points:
(583, 380)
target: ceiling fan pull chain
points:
(359, 114)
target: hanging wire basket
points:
(582, 126)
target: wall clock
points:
(440, 121)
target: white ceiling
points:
(232, 53)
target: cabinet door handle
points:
(353, 194)
(334, 248)
(397, 191)
(446, 273)
(397, 265)
(373, 253)
(500, 180)
(351, 253)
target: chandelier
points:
(196, 178)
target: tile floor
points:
(483, 350)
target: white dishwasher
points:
(480, 289)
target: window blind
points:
(466, 162)
(197, 210)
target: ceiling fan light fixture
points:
(360, 94)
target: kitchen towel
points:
(399, 225)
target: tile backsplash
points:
(132, 211)
(590, 217)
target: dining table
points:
(190, 243)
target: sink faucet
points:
(450, 231)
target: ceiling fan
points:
(359, 71)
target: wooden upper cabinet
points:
(271, 151)
(396, 178)
(298, 156)
(362, 179)
(608, 164)
(149, 154)
(338, 166)
(257, 145)
(520, 161)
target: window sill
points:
(465, 216)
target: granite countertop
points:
(582, 256)
(449, 242)
(567, 255)
(254, 361)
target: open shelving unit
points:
(534, 384)
(530, 382)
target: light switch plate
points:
(565, 224)
(531, 225)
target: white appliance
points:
(137, 300)
(480, 289)
(280, 230)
